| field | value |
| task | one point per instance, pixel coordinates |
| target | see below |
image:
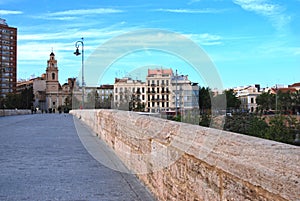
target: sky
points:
(248, 41)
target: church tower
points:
(52, 84)
(52, 74)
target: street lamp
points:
(77, 53)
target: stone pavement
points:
(42, 158)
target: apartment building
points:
(248, 95)
(8, 58)
(169, 93)
(185, 96)
(159, 93)
(129, 94)
(104, 96)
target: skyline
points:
(249, 41)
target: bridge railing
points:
(179, 161)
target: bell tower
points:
(52, 84)
(53, 93)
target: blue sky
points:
(249, 41)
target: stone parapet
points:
(179, 161)
(13, 112)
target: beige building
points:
(104, 98)
(159, 98)
(129, 94)
(247, 96)
(169, 93)
(57, 95)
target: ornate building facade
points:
(47, 91)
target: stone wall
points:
(179, 161)
(13, 112)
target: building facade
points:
(8, 59)
(185, 95)
(104, 98)
(129, 94)
(247, 96)
(159, 90)
(57, 96)
(169, 93)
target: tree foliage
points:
(23, 100)
(286, 102)
(280, 128)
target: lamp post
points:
(77, 53)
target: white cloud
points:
(85, 12)
(10, 12)
(274, 12)
(191, 11)
(206, 39)
(71, 15)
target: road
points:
(42, 158)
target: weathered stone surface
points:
(13, 112)
(179, 161)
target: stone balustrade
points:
(179, 161)
(13, 112)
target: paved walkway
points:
(42, 158)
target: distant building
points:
(129, 94)
(247, 96)
(47, 91)
(187, 94)
(57, 95)
(8, 59)
(159, 90)
(169, 93)
(296, 86)
(104, 97)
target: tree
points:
(232, 101)
(284, 101)
(266, 101)
(204, 100)
(12, 101)
(295, 98)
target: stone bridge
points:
(178, 161)
(42, 158)
(118, 155)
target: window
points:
(252, 100)
(116, 90)
(143, 89)
(53, 76)
(157, 82)
(157, 90)
(167, 82)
